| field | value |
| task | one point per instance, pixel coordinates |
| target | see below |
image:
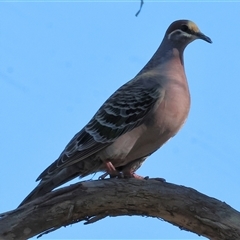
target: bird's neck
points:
(165, 53)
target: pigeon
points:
(134, 122)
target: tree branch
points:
(91, 201)
(141, 4)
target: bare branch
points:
(92, 201)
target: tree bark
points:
(91, 201)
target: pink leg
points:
(110, 170)
(133, 175)
(113, 173)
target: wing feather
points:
(122, 112)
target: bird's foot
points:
(114, 173)
(134, 175)
(111, 171)
(121, 175)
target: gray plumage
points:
(134, 122)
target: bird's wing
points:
(123, 111)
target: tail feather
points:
(50, 182)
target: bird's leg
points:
(127, 171)
(110, 170)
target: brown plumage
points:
(134, 122)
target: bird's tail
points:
(47, 184)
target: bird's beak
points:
(203, 37)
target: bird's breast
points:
(165, 121)
(173, 110)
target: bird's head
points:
(180, 33)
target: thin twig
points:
(141, 4)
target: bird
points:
(134, 122)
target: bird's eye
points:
(185, 28)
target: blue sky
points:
(59, 61)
